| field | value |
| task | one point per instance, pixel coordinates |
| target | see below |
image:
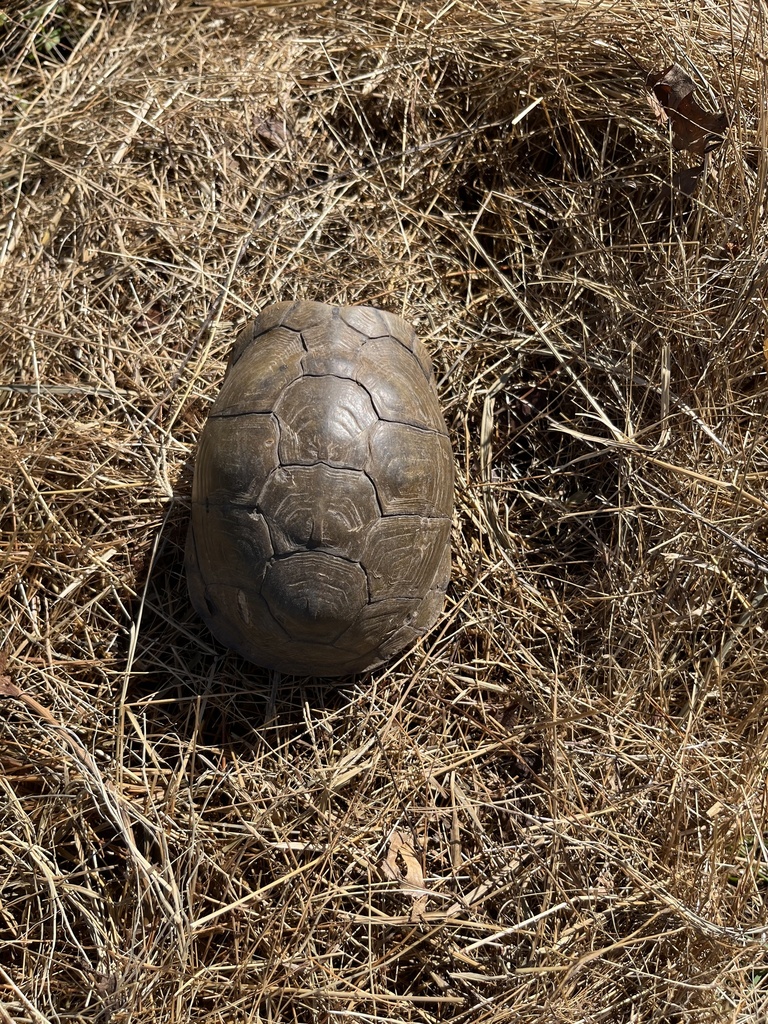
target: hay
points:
(553, 808)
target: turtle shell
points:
(319, 542)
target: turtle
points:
(322, 498)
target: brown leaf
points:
(684, 182)
(687, 180)
(7, 688)
(273, 131)
(671, 96)
(401, 865)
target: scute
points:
(319, 541)
(235, 454)
(340, 358)
(240, 618)
(324, 419)
(272, 316)
(413, 470)
(403, 555)
(322, 610)
(370, 322)
(399, 394)
(269, 364)
(233, 544)
(314, 506)
(305, 315)
(376, 624)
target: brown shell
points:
(319, 542)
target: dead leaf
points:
(684, 182)
(273, 131)
(154, 318)
(7, 688)
(402, 865)
(671, 98)
(687, 180)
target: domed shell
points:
(319, 542)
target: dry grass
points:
(573, 763)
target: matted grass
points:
(571, 767)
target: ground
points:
(552, 808)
